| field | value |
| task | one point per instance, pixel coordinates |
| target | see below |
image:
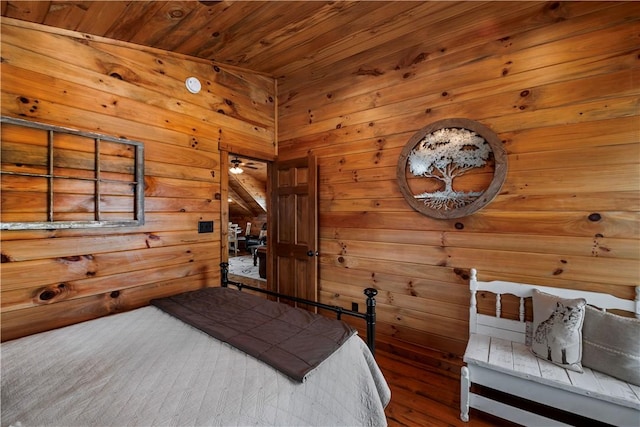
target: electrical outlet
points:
(205, 226)
(354, 306)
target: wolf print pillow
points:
(557, 329)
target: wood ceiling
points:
(274, 37)
(289, 40)
(301, 43)
(248, 190)
(278, 38)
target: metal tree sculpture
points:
(443, 151)
(444, 155)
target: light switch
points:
(205, 226)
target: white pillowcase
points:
(557, 329)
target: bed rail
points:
(369, 316)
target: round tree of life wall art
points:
(452, 168)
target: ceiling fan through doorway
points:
(236, 169)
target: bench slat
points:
(615, 388)
(524, 361)
(501, 323)
(586, 380)
(500, 353)
(500, 333)
(478, 348)
(553, 372)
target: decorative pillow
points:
(611, 344)
(557, 329)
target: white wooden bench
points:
(497, 358)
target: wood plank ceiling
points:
(289, 40)
(292, 41)
(301, 43)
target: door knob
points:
(311, 253)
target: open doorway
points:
(290, 211)
(248, 217)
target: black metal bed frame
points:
(369, 316)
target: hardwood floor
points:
(424, 392)
(421, 395)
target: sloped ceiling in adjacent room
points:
(248, 190)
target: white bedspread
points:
(144, 368)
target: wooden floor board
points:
(420, 396)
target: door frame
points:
(271, 164)
(225, 156)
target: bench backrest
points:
(515, 330)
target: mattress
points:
(146, 368)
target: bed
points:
(146, 367)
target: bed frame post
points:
(224, 271)
(371, 318)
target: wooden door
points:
(293, 229)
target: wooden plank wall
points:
(558, 82)
(123, 90)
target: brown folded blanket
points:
(292, 340)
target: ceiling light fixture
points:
(236, 169)
(193, 84)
